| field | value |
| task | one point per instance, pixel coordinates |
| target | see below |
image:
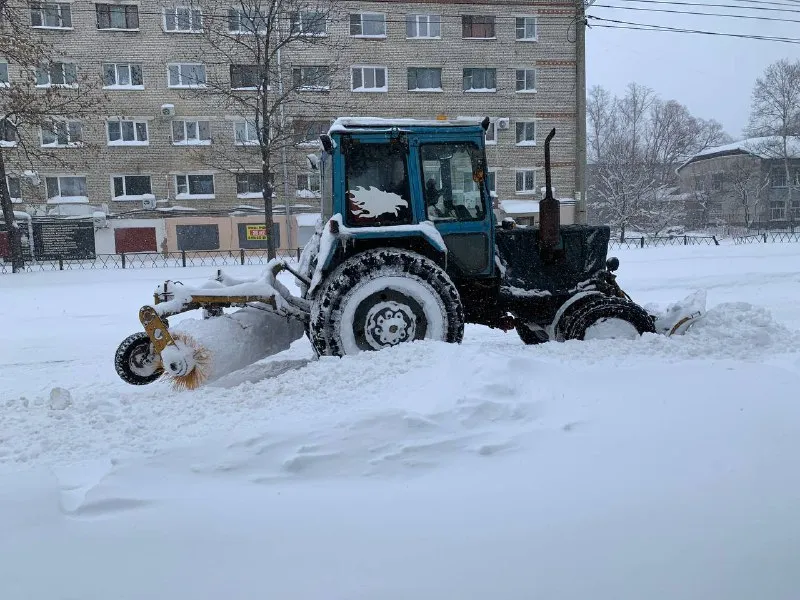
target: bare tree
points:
(44, 95)
(636, 142)
(775, 115)
(748, 182)
(258, 72)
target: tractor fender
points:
(551, 328)
(335, 234)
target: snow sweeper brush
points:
(198, 351)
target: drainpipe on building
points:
(284, 160)
(580, 109)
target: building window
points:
(127, 132)
(369, 79)
(62, 134)
(717, 181)
(424, 79)
(526, 80)
(51, 15)
(66, 187)
(794, 212)
(186, 75)
(480, 80)
(57, 73)
(316, 78)
(526, 181)
(308, 132)
(477, 27)
(245, 21)
(131, 187)
(8, 133)
(777, 210)
(249, 185)
(526, 29)
(423, 26)
(14, 188)
(117, 16)
(122, 76)
(245, 133)
(309, 23)
(526, 133)
(3, 74)
(491, 132)
(183, 19)
(244, 77)
(191, 132)
(368, 25)
(197, 187)
(700, 183)
(491, 182)
(778, 177)
(308, 185)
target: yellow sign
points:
(256, 232)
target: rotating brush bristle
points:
(202, 360)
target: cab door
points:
(456, 199)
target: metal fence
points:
(767, 237)
(156, 260)
(656, 242)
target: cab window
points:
(453, 182)
(377, 190)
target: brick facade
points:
(553, 104)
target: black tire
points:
(134, 360)
(600, 309)
(530, 336)
(365, 292)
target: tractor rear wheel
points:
(135, 361)
(381, 298)
(606, 317)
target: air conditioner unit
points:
(149, 203)
(167, 110)
(503, 123)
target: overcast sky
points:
(712, 75)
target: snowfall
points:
(660, 468)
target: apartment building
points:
(166, 141)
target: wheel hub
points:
(143, 362)
(389, 323)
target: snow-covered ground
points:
(657, 469)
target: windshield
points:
(453, 182)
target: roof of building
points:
(761, 147)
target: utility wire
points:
(616, 24)
(796, 7)
(699, 13)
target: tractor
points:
(408, 248)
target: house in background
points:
(744, 184)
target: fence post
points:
(685, 241)
(123, 259)
(765, 238)
(241, 255)
(183, 257)
(297, 251)
(716, 241)
(641, 242)
(60, 264)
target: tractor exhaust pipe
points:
(549, 207)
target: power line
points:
(700, 13)
(712, 5)
(616, 24)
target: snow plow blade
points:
(678, 317)
(196, 351)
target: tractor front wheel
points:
(606, 317)
(384, 297)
